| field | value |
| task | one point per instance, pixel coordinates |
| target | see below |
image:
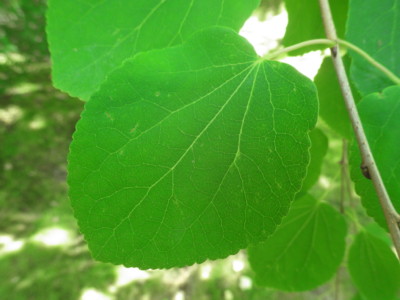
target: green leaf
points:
(357, 296)
(190, 153)
(376, 29)
(379, 114)
(304, 251)
(332, 108)
(374, 268)
(89, 39)
(377, 231)
(319, 147)
(305, 22)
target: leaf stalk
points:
(372, 61)
(276, 54)
(331, 43)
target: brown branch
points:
(391, 215)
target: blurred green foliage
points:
(22, 28)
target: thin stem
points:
(353, 217)
(330, 43)
(343, 189)
(338, 280)
(372, 61)
(390, 213)
(343, 169)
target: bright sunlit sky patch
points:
(37, 123)
(93, 294)
(265, 36)
(126, 276)
(205, 271)
(10, 114)
(8, 244)
(179, 295)
(54, 236)
(238, 265)
(11, 58)
(245, 283)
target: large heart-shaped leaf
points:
(189, 153)
(89, 39)
(380, 116)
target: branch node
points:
(334, 51)
(365, 171)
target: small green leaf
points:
(377, 231)
(319, 147)
(304, 251)
(190, 153)
(379, 114)
(332, 108)
(376, 29)
(374, 268)
(89, 39)
(305, 22)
